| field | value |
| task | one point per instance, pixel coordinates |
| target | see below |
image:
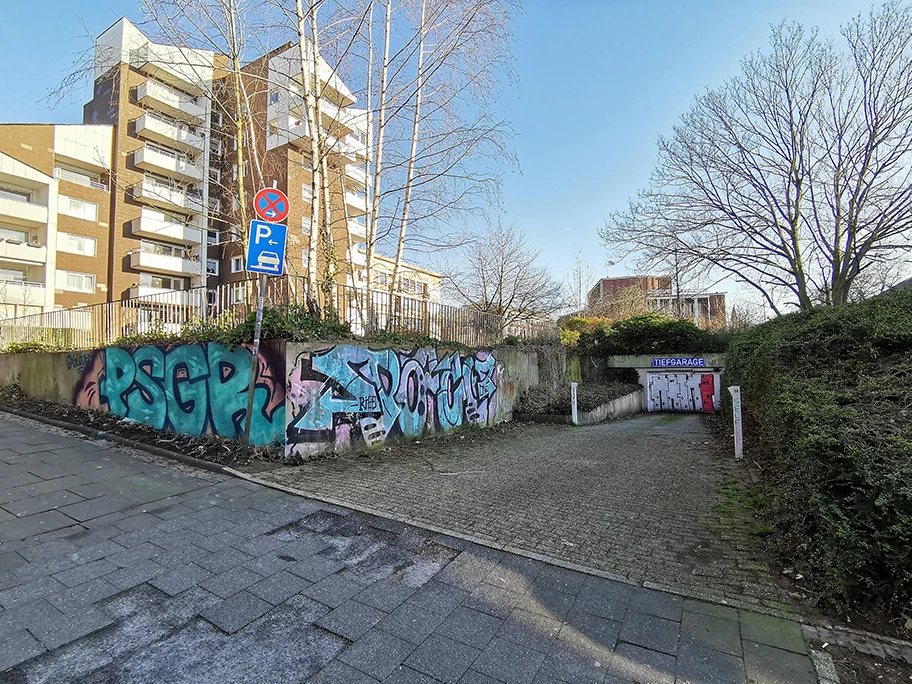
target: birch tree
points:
(793, 177)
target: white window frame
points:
(65, 244)
(237, 264)
(65, 207)
(88, 280)
(210, 271)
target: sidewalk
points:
(116, 566)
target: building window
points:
(76, 282)
(216, 118)
(237, 294)
(273, 127)
(306, 223)
(13, 234)
(215, 176)
(163, 249)
(215, 146)
(162, 282)
(212, 237)
(380, 278)
(76, 244)
(234, 172)
(212, 267)
(307, 193)
(70, 206)
(11, 275)
(15, 194)
(274, 97)
(237, 264)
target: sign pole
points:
(265, 255)
(254, 360)
(736, 417)
(573, 412)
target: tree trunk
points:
(374, 209)
(403, 225)
(312, 128)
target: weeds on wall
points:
(828, 415)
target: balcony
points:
(22, 252)
(358, 231)
(148, 260)
(167, 197)
(356, 203)
(167, 162)
(182, 68)
(154, 224)
(297, 133)
(21, 292)
(161, 295)
(83, 179)
(158, 129)
(356, 174)
(22, 211)
(170, 101)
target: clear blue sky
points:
(599, 81)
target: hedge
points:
(646, 334)
(827, 399)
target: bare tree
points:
(580, 280)
(795, 176)
(499, 273)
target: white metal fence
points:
(88, 327)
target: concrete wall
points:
(348, 397)
(332, 397)
(195, 389)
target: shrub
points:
(827, 407)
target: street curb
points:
(111, 437)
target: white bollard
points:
(736, 417)
(573, 412)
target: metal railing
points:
(229, 304)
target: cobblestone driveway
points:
(633, 498)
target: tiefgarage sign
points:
(678, 362)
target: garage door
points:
(688, 392)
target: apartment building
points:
(143, 197)
(55, 203)
(158, 100)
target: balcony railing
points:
(80, 179)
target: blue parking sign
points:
(266, 248)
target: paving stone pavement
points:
(120, 567)
(633, 498)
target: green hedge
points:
(828, 413)
(647, 334)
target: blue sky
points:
(599, 81)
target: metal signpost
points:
(736, 416)
(266, 256)
(573, 412)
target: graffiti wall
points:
(690, 391)
(347, 397)
(195, 389)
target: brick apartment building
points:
(142, 197)
(655, 293)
